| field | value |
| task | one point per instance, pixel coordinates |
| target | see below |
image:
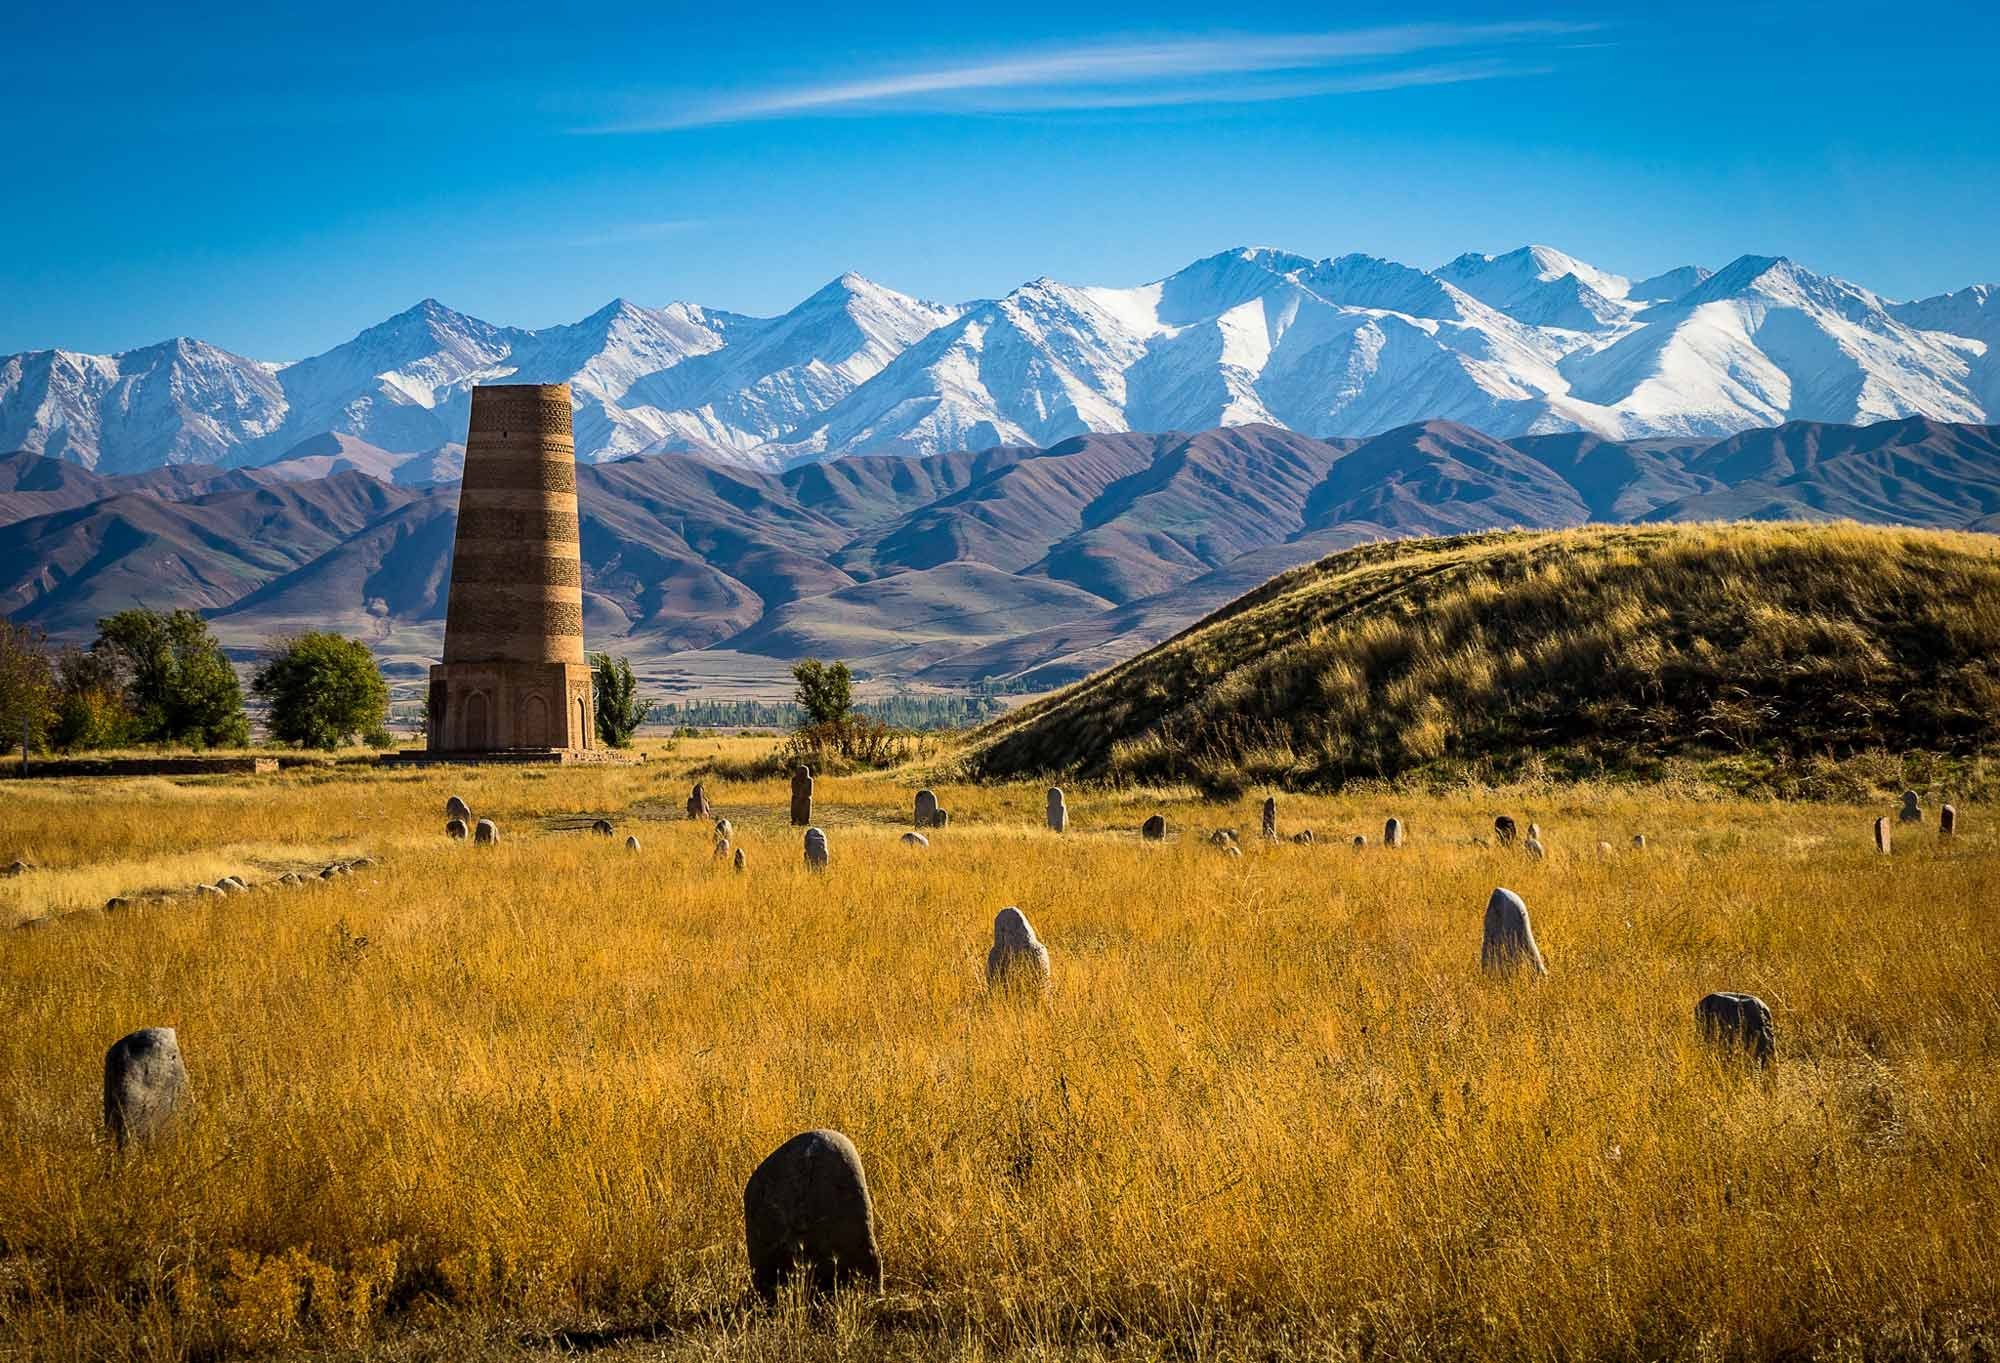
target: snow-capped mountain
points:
(1526, 342)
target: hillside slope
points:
(1592, 649)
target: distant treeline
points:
(899, 711)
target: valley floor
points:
(501, 1102)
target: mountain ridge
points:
(1015, 565)
(1526, 342)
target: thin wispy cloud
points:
(1229, 69)
(1456, 73)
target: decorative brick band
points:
(501, 524)
(475, 563)
(510, 410)
(512, 617)
(543, 474)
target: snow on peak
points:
(1543, 287)
(1669, 285)
(1531, 339)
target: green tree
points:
(323, 691)
(825, 693)
(176, 678)
(90, 704)
(620, 709)
(27, 687)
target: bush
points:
(177, 681)
(620, 709)
(858, 742)
(323, 691)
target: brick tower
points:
(514, 679)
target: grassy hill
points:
(1579, 652)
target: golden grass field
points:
(501, 1102)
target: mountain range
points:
(1527, 343)
(1018, 565)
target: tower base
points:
(541, 710)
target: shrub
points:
(323, 691)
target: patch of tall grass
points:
(1271, 1108)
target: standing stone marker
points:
(739, 862)
(631, 842)
(455, 829)
(1018, 959)
(697, 803)
(721, 847)
(455, 808)
(1947, 821)
(1503, 829)
(1882, 834)
(816, 854)
(724, 829)
(1154, 829)
(144, 1081)
(1303, 837)
(1533, 847)
(1360, 841)
(603, 828)
(915, 840)
(1509, 939)
(942, 818)
(486, 832)
(802, 795)
(925, 814)
(806, 1212)
(1271, 818)
(1392, 833)
(1058, 812)
(1638, 842)
(1911, 812)
(1738, 1020)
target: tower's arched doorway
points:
(476, 729)
(534, 723)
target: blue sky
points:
(274, 183)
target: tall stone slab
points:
(802, 796)
(1508, 942)
(1058, 811)
(514, 676)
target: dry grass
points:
(477, 1097)
(1769, 651)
